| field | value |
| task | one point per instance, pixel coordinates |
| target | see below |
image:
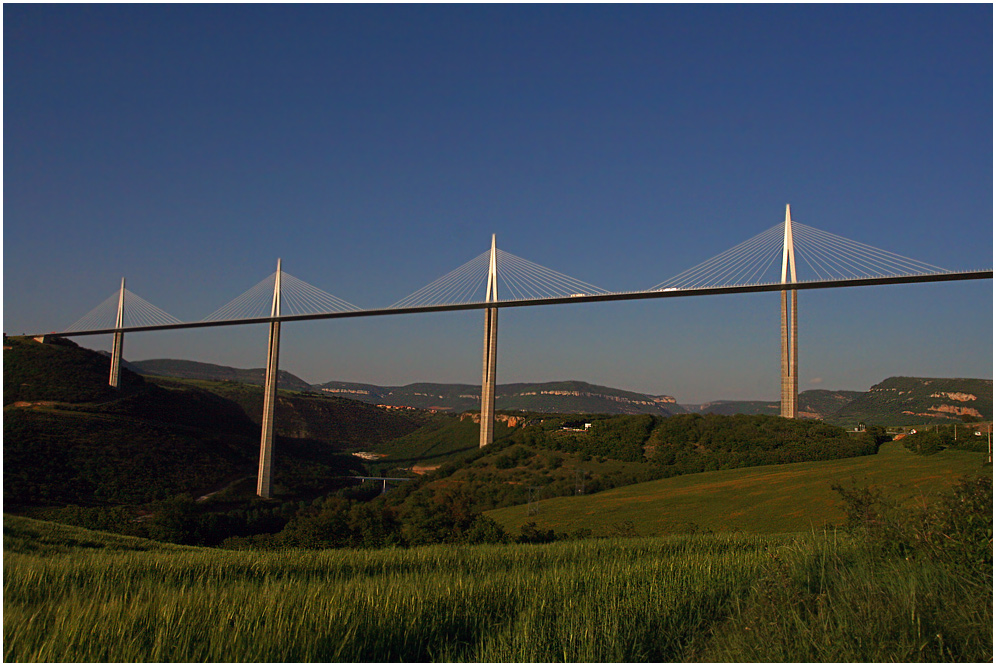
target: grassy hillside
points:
(26, 536)
(550, 456)
(770, 499)
(914, 400)
(444, 438)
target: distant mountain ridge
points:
(813, 404)
(903, 400)
(553, 397)
(168, 367)
(894, 401)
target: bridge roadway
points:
(618, 296)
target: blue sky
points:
(376, 148)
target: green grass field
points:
(795, 497)
(68, 599)
(71, 595)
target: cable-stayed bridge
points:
(751, 266)
(787, 258)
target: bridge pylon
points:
(117, 348)
(490, 353)
(265, 476)
(790, 326)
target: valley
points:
(139, 503)
(79, 451)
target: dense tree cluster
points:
(694, 443)
(938, 438)
(349, 518)
(690, 443)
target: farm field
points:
(794, 497)
(72, 595)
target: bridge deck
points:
(595, 298)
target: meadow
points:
(794, 497)
(74, 595)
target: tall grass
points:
(824, 601)
(679, 598)
(582, 601)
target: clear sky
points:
(376, 148)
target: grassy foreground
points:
(72, 595)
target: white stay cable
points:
(451, 288)
(526, 279)
(255, 302)
(858, 259)
(100, 317)
(137, 312)
(736, 261)
(303, 298)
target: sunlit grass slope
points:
(76, 596)
(610, 600)
(27, 536)
(771, 499)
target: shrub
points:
(960, 528)
(485, 530)
(531, 533)
(957, 530)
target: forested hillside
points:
(69, 438)
(341, 423)
(59, 370)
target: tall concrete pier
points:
(490, 354)
(790, 326)
(117, 348)
(269, 396)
